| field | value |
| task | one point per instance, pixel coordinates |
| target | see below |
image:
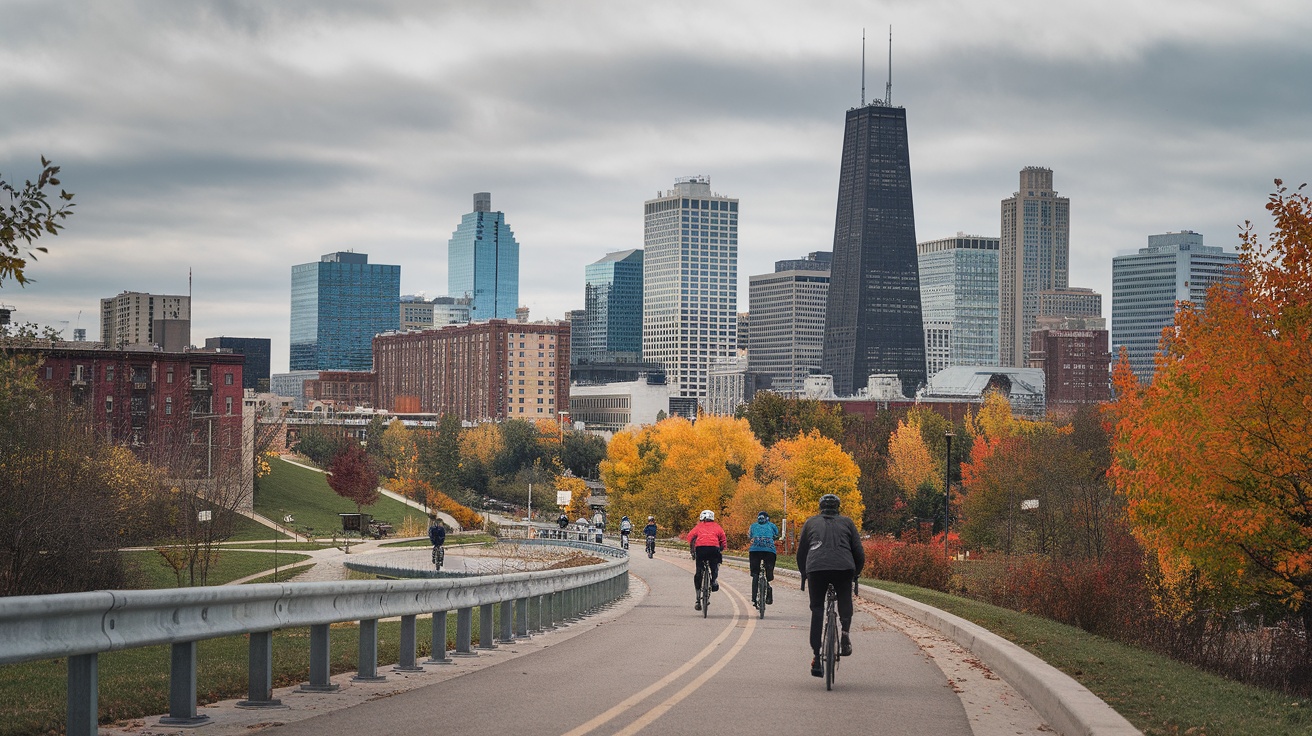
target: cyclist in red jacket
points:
(706, 540)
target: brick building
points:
(173, 409)
(1076, 364)
(344, 388)
(479, 372)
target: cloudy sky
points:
(236, 139)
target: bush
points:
(917, 564)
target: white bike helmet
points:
(707, 515)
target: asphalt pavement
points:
(659, 667)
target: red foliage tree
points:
(353, 476)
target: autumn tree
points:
(813, 465)
(400, 456)
(26, 214)
(674, 469)
(1214, 457)
(910, 465)
(352, 475)
(578, 496)
(773, 417)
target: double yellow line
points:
(647, 718)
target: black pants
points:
(706, 553)
(754, 560)
(818, 582)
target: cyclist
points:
(829, 552)
(762, 533)
(626, 528)
(705, 541)
(649, 532)
(436, 533)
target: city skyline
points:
(281, 133)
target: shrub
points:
(917, 564)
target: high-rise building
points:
(256, 351)
(484, 371)
(873, 322)
(690, 282)
(483, 262)
(1034, 256)
(338, 304)
(959, 300)
(613, 299)
(1073, 301)
(135, 318)
(1074, 359)
(1148, 286)
(787, 310)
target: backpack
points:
(437, 534)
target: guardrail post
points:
(548, 611)
(367, 669)
(83, 694)
(507, 622)
(465, 632)
(406, 657)
(521, 618)
(259, 673)
(486, 629)
(439, 640)
(320, 664)
(182, 687)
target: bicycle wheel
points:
(706, 588)
(761, 586)
(831, 638)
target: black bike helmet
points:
(829, 502)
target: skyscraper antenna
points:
(863, 67)
(888, 89)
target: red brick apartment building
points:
(148, 400)
(1076, 366)
(344, 388)
(484, 371)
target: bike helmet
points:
(762, 516)
(707, 515)
(829, 502)
(624, 518)
(651, 518)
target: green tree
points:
(582, 454)
(439, 457)
(773, 417)
(26, 216)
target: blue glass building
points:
(338, 305)
(959, 300)
(483, 262)
(613, 306)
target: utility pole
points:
(947, 495)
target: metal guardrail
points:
(80, 626)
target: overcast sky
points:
(237, 139)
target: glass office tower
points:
(338, 305)
(690, 282)
(959, 300)
(1033, 256)
(613, 302)
(483, 262)
(872, 321)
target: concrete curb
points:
(1065, 704)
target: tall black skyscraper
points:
(872, 322)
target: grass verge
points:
(228, 566)
(304, 493)
(451, 540)
(283, 575)
(134, 683)
(1155, 693)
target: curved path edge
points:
(1066, 704)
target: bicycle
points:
(651, 547)
(439, 555)
(624, 541)
(705, 595)
(829, 637)
(762, 591)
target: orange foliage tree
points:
(1214, 457)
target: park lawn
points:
(283, 575)
(305, 494)
(134, 683)
(283, 546)
(248, 530)
(451, 540)
(230, 565)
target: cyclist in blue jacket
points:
(762, 533)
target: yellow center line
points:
(647, 718)
(647, 692)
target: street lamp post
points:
(947, 495)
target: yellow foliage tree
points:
(751, 497)
(909, 462)
(674, 469)
(578, 496)
(482, 443)
(814, 465)
(399, 451)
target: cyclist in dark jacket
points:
(829, 551)
(436, 531)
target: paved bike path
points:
(661, 668)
